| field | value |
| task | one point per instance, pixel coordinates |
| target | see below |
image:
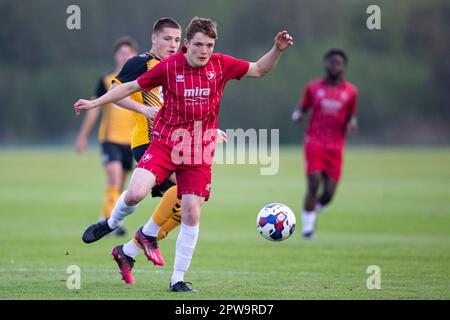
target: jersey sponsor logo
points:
(156, 133)
(330, 104)
(210, 75)
(197, 92)
(196, 95)
(180, 78)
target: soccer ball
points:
(276, 222)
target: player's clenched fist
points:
(83, 104)
(283, 40)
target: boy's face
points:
(166, 42)
(199, 49)
(122, 55)
(335, 66)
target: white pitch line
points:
(106, 270)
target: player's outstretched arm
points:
(222, 137)
(297, 116)
(116, 94)
(132, 105)
(85, 129)
(263, 66)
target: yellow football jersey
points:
(116, 124)
(132, 70)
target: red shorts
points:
(191, 179)
(328, 160)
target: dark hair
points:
(333, 52)
(205, 26)
(126, 41)
(165, 22)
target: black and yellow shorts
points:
(117, 152)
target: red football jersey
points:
(191, 97)
(331, 108)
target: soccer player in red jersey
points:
(333, 103)
(184, 132)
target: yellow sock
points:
(172, 223)
(111, 196)
(167, 213)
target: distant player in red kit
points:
(333, 103)
(184, 134)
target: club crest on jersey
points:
(180, 78)
(210, 75)
(321, 93)
(146, 157)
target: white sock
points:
(120, 212)
(176, 277)
(186, 241)
(319, 207)
(308, 221)
(131, 249)
(151, 229)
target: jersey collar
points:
(153, 56)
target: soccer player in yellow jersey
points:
(166, 39)
(114, 132)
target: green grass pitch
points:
(391, 210)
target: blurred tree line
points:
(402, 71)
